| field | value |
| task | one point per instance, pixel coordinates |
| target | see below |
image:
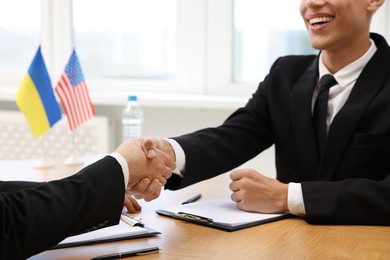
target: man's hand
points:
(159, 168)
(151, 145)
(146, 189)
(149, 189)
(143, 190)
(131, 203)
(257, 193)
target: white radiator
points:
(17, 141)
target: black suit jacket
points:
(36, 216)
(351, 183)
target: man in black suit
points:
(36, 216)
(347, 181)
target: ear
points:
(373, 5)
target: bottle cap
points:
(132, 98)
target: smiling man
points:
(332, 140)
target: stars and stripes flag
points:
(73, 93)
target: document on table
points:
(96, 250)
(118, 232)
(220, 213)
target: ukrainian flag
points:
(35, 97)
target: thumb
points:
(149, 146)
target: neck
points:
(337, 59)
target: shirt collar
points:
(352, 71)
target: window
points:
(262, 33)
(213, 47)
(19, 37)
(148, 45)
(245, 37)
(126, 38)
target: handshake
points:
(150, 163)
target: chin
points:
(316, 44)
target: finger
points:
(168, 173)
(150, 146)
(161, 144)
(129, 205)
(140, 187)
(235, 175)
(155, 191)
(139, 196)
(135, 203)
(132, 205)
(241, 205)
(161, 178)
(168, 160)
(234, 186)
(152, 192)
(236, 197)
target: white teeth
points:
(320, 20)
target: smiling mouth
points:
(320, 20)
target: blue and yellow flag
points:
(35, 97)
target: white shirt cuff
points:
(180, 157)
(295, 201)
(123, 163)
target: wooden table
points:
(286, 239)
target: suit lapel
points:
(342, 129)
(301, 100)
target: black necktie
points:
(320, 111)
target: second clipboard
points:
(219, 213)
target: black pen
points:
(193, 217)
(136, 252)
(193, 199)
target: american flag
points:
(73, 93)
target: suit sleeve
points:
(37, 216)
(246, 132)
(216, 150)
(350, 201)
(12, 186)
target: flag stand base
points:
(43, 163)
(73, 160)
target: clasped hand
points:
(150, 163)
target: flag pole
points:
(43, 162)
(73, 158)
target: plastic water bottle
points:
(132, 119)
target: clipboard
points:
(220, 213)
(128, 228)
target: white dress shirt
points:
(338, 95)
(123, 163)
